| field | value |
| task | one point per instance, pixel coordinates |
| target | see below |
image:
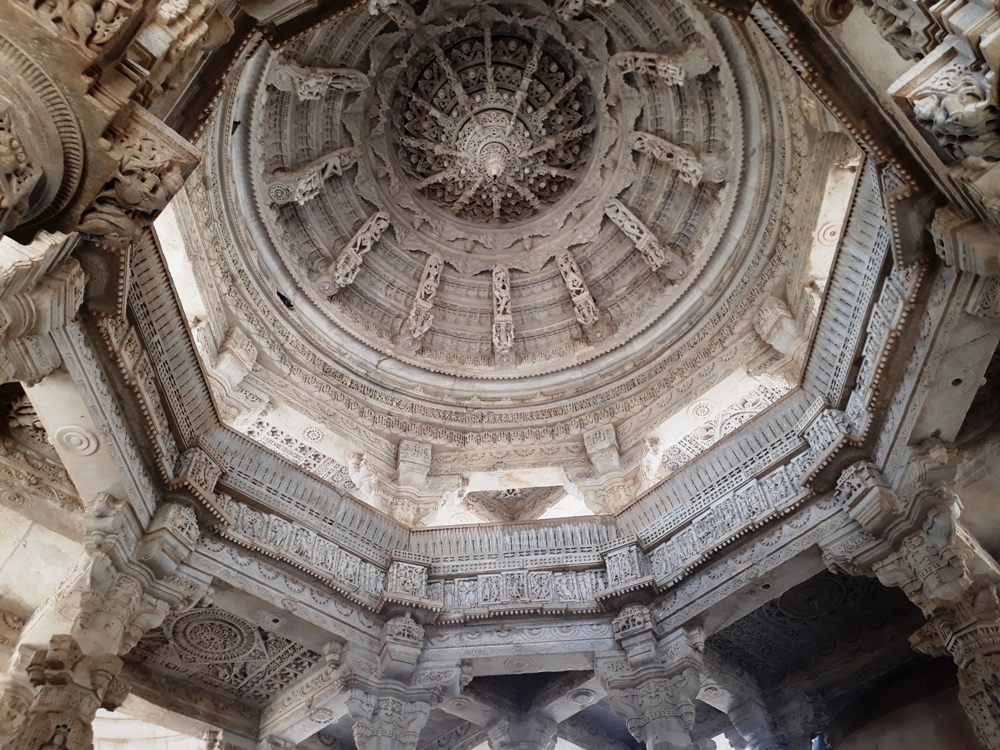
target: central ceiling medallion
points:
(495, 124)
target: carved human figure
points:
(312, 83)
(671, 69)
(344, 270)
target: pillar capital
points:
(386, 722)
(652, 684)
(533, 732)
(71, 686)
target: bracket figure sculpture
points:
(421, 314)
(312, 83)
(644, 241)
(503, 321)
(688, 167)
(344, 270)
(673, 70)
(583, 302)
(303, 184)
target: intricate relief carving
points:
(380, 720)
(421, 314)
(905, 24)
(71, 687)
(218, 650)
(518, 591)
(91, 24)
(312, 83)
(583, 302)
(689, 169)
(305, 183)
(345, 571)
(18, 172)
(502, 139)
(344, 270)
(142, 185)
(958, 106)
(673, 71)
(407, 579)
(503, 321)
(645, 242)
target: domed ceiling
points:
(491, 229)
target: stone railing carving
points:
(518, 592)
(305, 183)
(357, 579)
(344, 270)
(644, 241)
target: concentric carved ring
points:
(213, 635)
(77, 440)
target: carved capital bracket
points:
(966, 243)
(198, 471)
(532, 732)
(71, 686)
(655, 691)
(41, 289)
(342, 272)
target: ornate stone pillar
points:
(131, 583)
(910, 538)
(534, 732)
(653, 685)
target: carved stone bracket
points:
(503, 320)
(198, 471)
(654, 685)
(152, 165)
(421, 316)
(909, 537)
(533, 732)
(40, 291)
(305, 183)
(344, 270)
(645, 242)
(311, 83)
(688, 167)
(584, 305)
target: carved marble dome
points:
(487, 227)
